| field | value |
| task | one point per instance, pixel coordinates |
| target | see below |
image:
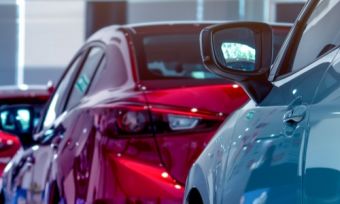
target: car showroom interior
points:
(169, 101)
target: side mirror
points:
(50, 87)
(18, 120)
(241, 52)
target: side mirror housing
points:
(18, 120)
(242, 52)
(50, 87)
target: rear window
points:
(177, 55)
(173, 56)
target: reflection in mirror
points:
(239, 56)
(235, 49)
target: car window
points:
(98, 80)
(85, 76)
(112, 71)
(55, 105)
(170, 56)
(177, 55)
(279, 36)
(320, 35)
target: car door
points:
(322, 166)
(267, 151)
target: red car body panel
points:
(179, 151)
(9, 145)
(24, 94)
(149, 167)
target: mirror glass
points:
(235, 49)
(16, 120)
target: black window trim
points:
(86, 49)
(290, 48)
(82, 53)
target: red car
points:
(9, 145)
(131, 114)
(11, 136)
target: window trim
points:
(283, 76)
(86, 50)
(82, 53)
(288, 51)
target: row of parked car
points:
(136, 107)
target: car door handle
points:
(295, 115)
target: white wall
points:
(54, 32)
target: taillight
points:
(179, 122)
(132, 121)
(122, 120)
(128, 119)
(167, 119)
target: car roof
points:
(105, 34)
(22, 92)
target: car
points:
(131, 114)
(12, 131)
(9, 145)
(282, 145)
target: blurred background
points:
(39, 37)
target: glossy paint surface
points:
(179, 150)
(146, 167)
(256, 156)
(283, 149)
(9, 145)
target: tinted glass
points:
(173, 56)
(98, 83)
(168, 56)
(112, 71)
(16, 120)
(320, 35)
(85, 76)
(55, 104)
(279, 36)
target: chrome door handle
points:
(295, 115)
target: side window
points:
(320, 35)
(112, 71)
(98, 79)
(85, 76)
(56, 103)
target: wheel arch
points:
(197, 185)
